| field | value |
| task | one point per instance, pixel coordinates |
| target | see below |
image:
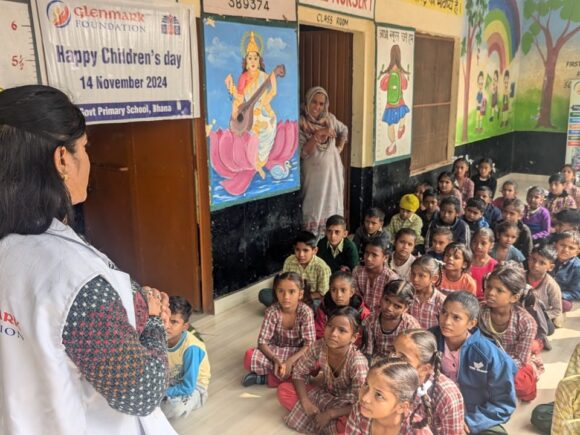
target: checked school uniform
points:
(358, 424)
(427, 313)
(379, 342)
(372, 293)
(336, 391)
(283, 342)
(517, 341)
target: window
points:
(433, 103)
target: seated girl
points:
(324, 407)
(442, 404)
(482, 263)
(457, 260)
(428, 301)
(383, 326)
(341, 294)
(385, 401)
(503, 318)
(287, 332)
(483, 371)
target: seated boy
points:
(565, 220)
(448, 216)
(513, 212)
(189, 369)
(540, 263)
(491, 213)
(338, 251)
(372, 228)
(305, 263)
(440, 238)
(406, 218)
(473, 215)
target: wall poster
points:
(120, 61)
(393, 92)
(573, 136)
(251, 77)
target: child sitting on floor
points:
(446, 189)
(439, 395)
(449, 216)
(402, 258)
(440, 238)
(457, 260)
(540, 263)
(324, 407)
(506, 234)
(311, 268)
(189, 369)
(558, 199)
(509, 190)
(565, 220)
(503, 318)
(491, 213)
(484, 176)
(429, 208)
(286, 333)
(536, 217)
(482, 263)
(513, 212)
(341, 294)
(569, 174)
(567, 269)
(463, 183)
(370, 279)
(407, 218)
(386, 400)
(371, 229)
(383, 326)
(483, 372)
(473, 215)
(427, 301)
(337, 250)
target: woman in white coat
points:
(82, 347)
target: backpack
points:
(394, 91)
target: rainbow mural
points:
(502, 30)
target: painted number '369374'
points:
(249, 4)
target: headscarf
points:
(308, 123)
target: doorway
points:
(141, 207)
(326, 60)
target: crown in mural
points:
(251, 41)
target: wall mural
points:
(394, 92)
(251, 77)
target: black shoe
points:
(253, 379)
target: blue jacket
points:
(567, 275)
(486, 381)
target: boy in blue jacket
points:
(482, 370)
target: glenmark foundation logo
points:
(58, 13)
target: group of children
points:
(433, 323)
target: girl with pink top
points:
(482, 262)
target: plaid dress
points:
(372, 293)
(447, 407)
(427, 313)
(517, 339)
(358, 424)
(380, 343)
(282, 342)
(336, 392)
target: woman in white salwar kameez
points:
(322, 139)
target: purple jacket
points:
(539, 222)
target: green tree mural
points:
(475, 11)
(538, 13)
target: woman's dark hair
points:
(400, 288)
(34, 121)
(351, 314)
(261, 66)
(180, 305)
(467, 300)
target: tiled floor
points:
(233, 409)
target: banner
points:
(251, 79)
(120, 62)
(394, 93)
(359, 8)
(284, 10)
(17, 58)
(454, 7)
(573, 137)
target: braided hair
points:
(401, 375)
(430, 265)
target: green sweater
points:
(347, 257)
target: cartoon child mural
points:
(494, 97)
(394, 81)
(505, 107)
(481, 104)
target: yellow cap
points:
(409, 202)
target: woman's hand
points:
(322, 135)
(158, 303)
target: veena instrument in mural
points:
(242, 120)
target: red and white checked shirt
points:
(379, 343)
(372, 293)
(301, 334)
(427, 313)
(358, 424)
